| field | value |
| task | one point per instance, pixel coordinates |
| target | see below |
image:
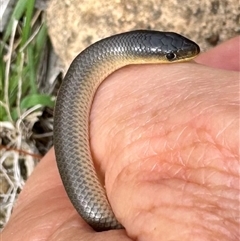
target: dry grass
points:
(22, 49)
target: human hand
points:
(167, 139)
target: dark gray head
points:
(143, 46)
(175, 46)
(164, 46)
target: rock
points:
(75, 24)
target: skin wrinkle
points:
(179, 135)
(184, 175)
(215, 226)
(152, 145)
(209, 128)
(212, 200)
(188, 157)
(178, 208)
(197, 207)
(198, 211)
(207, 161)
(223, 130)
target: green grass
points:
(20, 53)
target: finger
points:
(150, 135)
(224, 56)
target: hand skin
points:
(167, 139)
